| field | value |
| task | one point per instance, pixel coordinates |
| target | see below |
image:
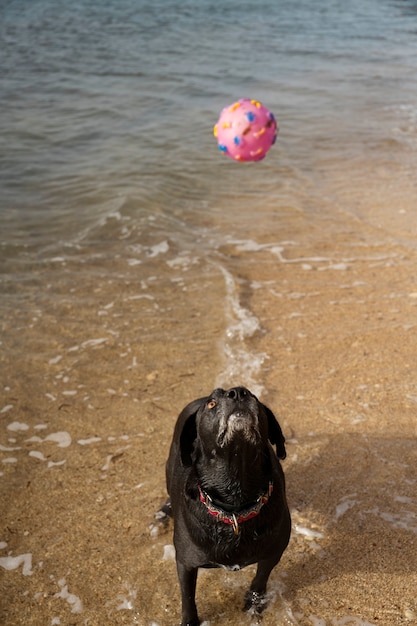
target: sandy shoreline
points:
(139, 268)
(340, 375)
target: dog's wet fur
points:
(226, 446)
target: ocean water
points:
(108, 109)
(106, 145)
(127, 239)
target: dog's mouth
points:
(238, 424)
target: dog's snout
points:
(238, 393)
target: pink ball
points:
(246, 130)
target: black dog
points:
(226, 492)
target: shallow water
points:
(140, 268)
(107, 120)
(109, 108)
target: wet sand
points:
(340, 374)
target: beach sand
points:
(84, 439)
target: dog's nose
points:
(238, 393)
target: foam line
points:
(242, 366)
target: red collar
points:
(234, 519)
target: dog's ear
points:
(187, 438)
(275, 435)
(187, 427)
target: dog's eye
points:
(211, 404)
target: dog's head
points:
(228, 417)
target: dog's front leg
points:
(188, 581)
(255, 597)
